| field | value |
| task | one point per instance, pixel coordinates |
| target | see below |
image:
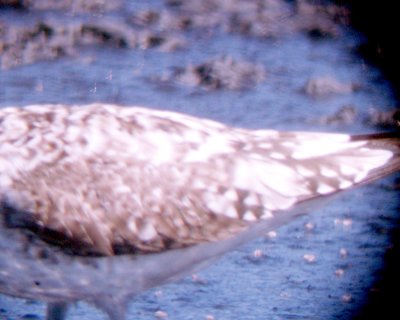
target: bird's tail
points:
(389, 141)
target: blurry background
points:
(287, 65)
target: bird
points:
(100, 202)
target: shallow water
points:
(280, 284)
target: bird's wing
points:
(106, 180)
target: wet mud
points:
(287, 65)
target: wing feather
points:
(105, 180)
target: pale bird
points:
(101, 202)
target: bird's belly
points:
(33, 269)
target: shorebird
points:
(100, 202)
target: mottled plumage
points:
(103, 180)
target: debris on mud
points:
(74, 6)
(384, 119)
(50, 40)
(326, 85)
(345, 115)
(163, 29)
(221, 73)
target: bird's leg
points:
(113, 307)
(56, 311)
(119, 314)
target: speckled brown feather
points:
(102, 179)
